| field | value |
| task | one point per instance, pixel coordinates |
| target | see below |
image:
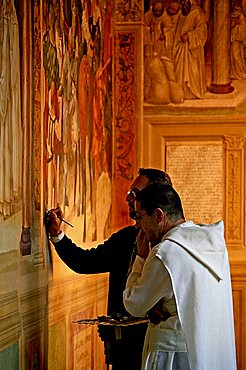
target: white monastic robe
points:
(196, 260)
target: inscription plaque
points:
(83, 346)
(82, 342)
(197, 172)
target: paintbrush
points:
(47, 213)
(62, 219)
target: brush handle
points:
(65, 221)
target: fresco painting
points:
(78, 110)
(9, 358)
(34, 354)
(183, 52)
(10, 113)
(66, 83)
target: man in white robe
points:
(187, 272)
(189, 61)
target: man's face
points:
(149, 224)
(139, 183)
(186, 6)
(158, 9)
(173, 8)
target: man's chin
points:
(132, 214)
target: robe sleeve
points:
(196, 29)
(238, 33)
(148, 282)
(99, 259)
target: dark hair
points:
(159, 195)
(154, 175)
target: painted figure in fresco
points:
(77, 107)
(115, 256)
(190, 38)
(94, 112)
(160, 85)
(68, 91)
(187, 269)
(10, 110)
(52, 119)
(101, 133)
(85, 124)
(238, 34)
(99, 137)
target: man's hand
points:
(142, 244)
(152, 26)
(53, 222)
(157, 314)
(185, 37)
(106, 333)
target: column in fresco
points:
(220, 48)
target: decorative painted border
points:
(125, 122)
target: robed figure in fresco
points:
(78, 113)
(190, 38)
(160, 82)
(10, 110)
(238, 34)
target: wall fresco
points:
(10, 113)
(34, 354)
(186, 50)
(9, 358)
(78, 108)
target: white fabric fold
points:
(193, 255)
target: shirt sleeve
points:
(102, 258)
(148, 282)
(56, 239)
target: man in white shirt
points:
(187, 272)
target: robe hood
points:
(199, 241)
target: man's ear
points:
(160, 215)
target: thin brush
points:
(62, 219)
(47, 212)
